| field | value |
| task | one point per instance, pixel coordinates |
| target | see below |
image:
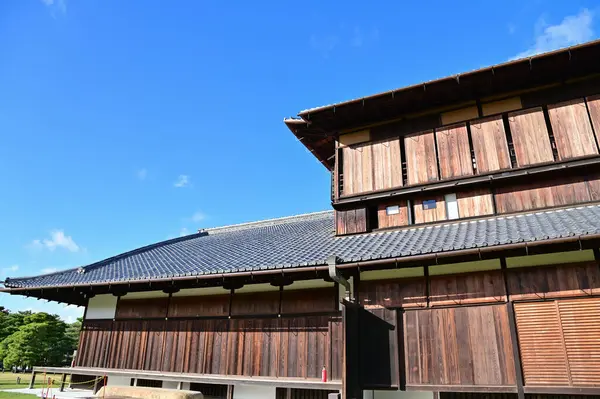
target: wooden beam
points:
(230, 391)
(516, 353)
(32, 382)
(462, 388)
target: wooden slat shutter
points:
(580, 321)
(543, 355)
(454, 151)
(560, 342)
(421, 161)
(572, 129)
(530, 137)
(489, 144)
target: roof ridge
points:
(265, 222)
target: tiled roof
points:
(309, 240)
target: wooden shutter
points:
(357, 166)
(580, 321)
(387, 172)
(593, 104)
(421, 160)
(351, 221)
(543, 355)
(489, 144)
(454, 151)
(560, 342)
(424, 212)
(572, 129)
(530, 137)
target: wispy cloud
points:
(360, 37)
(198, 217)
(183, 232)
(323, 44)
(141, 174)
(573, 29)
(182, 181)
(57, 239)
(56, 5)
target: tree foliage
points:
(36, 339)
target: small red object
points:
(324, 375)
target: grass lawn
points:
(8, 380)
(10, 395)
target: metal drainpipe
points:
(337, 277)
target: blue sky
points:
(128, 122)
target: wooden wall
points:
(372, 166)
(274, 347)
(530, 136)
(454, 151)
(490, 145)
(572, 129)
(558, 341)
(444, 347)
(399, 219)
(351, 221)
(393, 293)
(543, 194)
(421, 158)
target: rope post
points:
(32, 382)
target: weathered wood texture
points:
(468, 288)
(575, 280)
(435, 214)
(142, 308)
(421, 159)
(478, 202)
(572, 129)
(297, 393)
(558, 341)
(372, 166)
(196, 306)
(444, 346)
(351, 221)
(530, 137)
(490, 145)
(255, 303)
(593, 104)
(94, 340)
(542, 194)
(399, 219)
(309, 301)
(453, 151)
(276, 347)
(397, 293)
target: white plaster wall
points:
(115, 380)
(102, 307)
(170, 384)
(253, 392)
(397, 395)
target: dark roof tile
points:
(309, 240)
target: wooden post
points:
(515, 344)
(32, 382)
(96, 385)
(229, 391)
(288, 393)
(179, 386)
(63, 381)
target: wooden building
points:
(461, 259)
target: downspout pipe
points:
(337, 277)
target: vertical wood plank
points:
(421, 158)
(530, 137)
(454, 151)
(490, 145)
(572, 129)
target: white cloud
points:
(324, 44)
(58, 239)
(198, 217)
(184, 232)
(49, 270)
(142, 174)
(573, 29)
(60, 5)
(182, 181)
